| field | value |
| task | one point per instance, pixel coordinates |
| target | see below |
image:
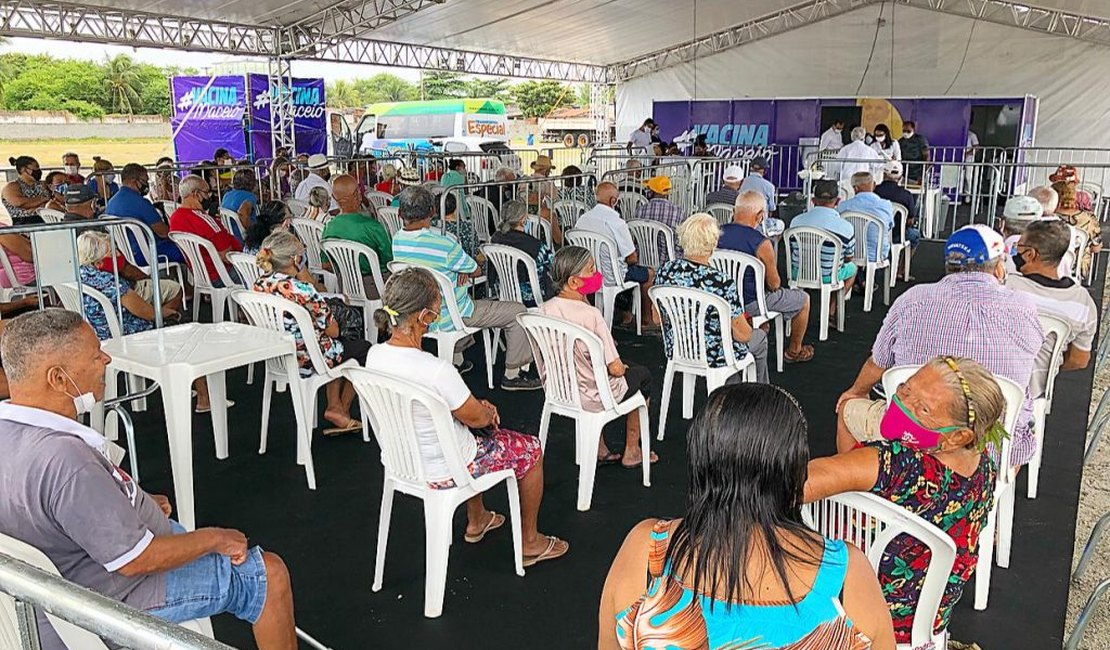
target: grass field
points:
(120, 151)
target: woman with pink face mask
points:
(575, 277)
(926, 451)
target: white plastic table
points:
(176, 356)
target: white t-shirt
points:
(309, 182)
(606, 221)
(640, 139)
(441, 378)
(831, 140)
(972, 139)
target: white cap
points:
(317, 161)
(1022, 208)
(733, 173)
(893, 168)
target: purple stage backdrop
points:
(212, 112)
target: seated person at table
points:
(740, 569)
(699, 235)
(510, 232)
(130, 202)
(192, 219)
(285, 274)
(576, 277)
(241, 199)
(925, 452)
(66, 496)
(272, 217)
(744, 235)
(352, 225)
(411, 304)
(823, 216)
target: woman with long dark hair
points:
(740, 567)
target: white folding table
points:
(174, 357)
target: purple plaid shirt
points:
(666, 213)
(967, 315)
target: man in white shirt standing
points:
(832, 139)
(604, 219)
(853, 158)
(318, 175)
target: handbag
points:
(349, 319)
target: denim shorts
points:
(212, 585)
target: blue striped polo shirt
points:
(442, 253)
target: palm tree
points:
(123, 82)
(342, 94)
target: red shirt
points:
(198, 223)
(389, 187)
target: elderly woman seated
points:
(698, 236)
(283, 261)
(411, 304)
(739, 569)
(1065, 181)
(510, 232)
(577, 277)
(927, 453)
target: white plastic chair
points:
(391, 403)
(483, 215)
(271, 312)
(648, 235)
(17, 288)
(345, 256)
(390, 218)
(539, 228)
(310, 231)
(50, 215)
(1058, 331)
(804, 245)
(447, 339)
(735, 265)
(1079, 242)
(722, 212)
(684, 313)
(600, 245)
(120, 233)
(230, 219)
(870, 228)
(1001, 517)
(554, 342)
(629, 202)
(568, 211)
(169, 207)
(246, 267)
(378, 199)
(900, 251)
(507, 260)
(72, 636)
(196, 249)
(871, 523)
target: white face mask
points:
(907, 134)
(836, 130)
(82, 403)
(72, 169)
(109, 178)
(881, 138)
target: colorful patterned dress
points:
(956, 504)
(305, 295)
(670, 615)
(684, 273)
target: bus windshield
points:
(416, 127)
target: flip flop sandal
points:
(352, 426)
(495, 522)
(608, 459)
(208, 409)
(549, 553)
(805, 355)
(640, 464)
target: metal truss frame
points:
(280, 87)
(349, 19)
(1024, 16)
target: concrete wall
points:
(61, 125)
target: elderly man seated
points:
(660, 208)
(1037, 258)
(867, 202)
(418, 244)
(743, 235)
(823, 216)
(65, 495)
(731, 179)
(968, 313)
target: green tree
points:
(488, 88)
(443, 85)
(122, 77)
(384, 87)
(342, 94)
(44, 83)
(538, 98)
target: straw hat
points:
(542, 163)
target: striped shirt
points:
(830, 221)
(666, 213)
(442, 253)
(967, 315)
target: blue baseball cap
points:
(975, 244)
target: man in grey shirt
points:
(65, 495)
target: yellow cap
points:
(659, 184)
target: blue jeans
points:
(212, 585)
(913, 236)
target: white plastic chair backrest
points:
(507, 260)
(67, 293)
(1058, 331)
(805, 245)
(390, 218)
(950, 176)
(868, 229)
(871, 523)
(647, 235)
(344, 257)
(539, 228)
(120, 234)
(722, 212)
(230, 219)
(483, 215)
(272, 312)
(194, 248)
(901, 215)
(378, 199)
(297, 207)
(309, 231)
(629, 202)
(169, 207)
(599, 245)
(735, 265)
(446, 292)
(49, 215)
(1094, 189)
(553, 342)
(568, 211)
(684, 313)
(72, 636)
(247, 268)
(1079, 242)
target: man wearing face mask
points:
(66, 495)
(71, 164)
(130, 202)
(833, 138)
(915, 151)
(968, 313)
(318, 176)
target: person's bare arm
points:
(168, 552)
(845, 441)
(1075, 359)
(864, 602)
(869, 375)
(766, 254)
(741, 329)
(18, 244)
(616, 369)
(477, 414)
(13, 196)
(624, 584)
(332, 329)
(854, 471)
(160, 228)
(633, 258)
(245, 209)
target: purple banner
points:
(310, 124)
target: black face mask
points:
(1019, 261)
(144, 189)
(36, 174)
